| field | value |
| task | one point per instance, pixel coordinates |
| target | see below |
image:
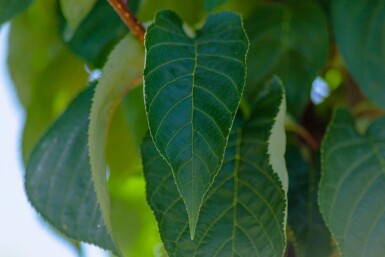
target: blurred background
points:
(23, 233)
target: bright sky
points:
(22, 233)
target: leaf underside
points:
(192, 91)
(58, 177)
(360, 36)
(352, 186)
(243, 212)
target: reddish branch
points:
(121, 7)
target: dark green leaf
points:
(290, 40)
(360, 36)
(97, 34)
(243, 213)
(58, 177)
(10, 8)
(192, 89)
(311, 237)
(212, 4)
(352, 186)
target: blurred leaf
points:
(192, 90)
(74, 11)
(290, 40)
(191, 11)
(360, 36)
(97, 34)
(10, 8)
(243, 213)
(352, 186)
(45, 74)
(58, 177)
(212, 4)
(122, 72)
(311, 236)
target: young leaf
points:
(359, 31)
(291, 40)
(192, 89)
(243, 213)
(58, 177)
(352, 186)
(10, 8)
(122, 72)
(311, 236)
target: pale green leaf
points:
(290, 40)
(193, 88)
(122, 72)
(45, 74)
(352, 186)
(360, 36)
(10, 8)
(243, 213)
(58, 177)
(75, 11)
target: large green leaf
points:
(311, 237)
(122, 72)
(58, 177)
(243, 214)
(360, 35)
(291, 40)
(10, 8)
(45, 74)
(192, 89)
(352, 186)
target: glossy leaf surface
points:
(352, 186)
(243, 214)
(290, 40)
(58, 177)
(360, 36)
(192, 89)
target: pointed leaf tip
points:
(193, 88)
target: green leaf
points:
(352, 186)
(290, 40)
(212, 4)
(359, 31)
(97, 34)
(243, 213)
(193, 88)
(122, 72)
(311, 237)
(75, 11)
(46, 75)
(58, 177)
(10, 8)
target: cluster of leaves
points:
(231, 160)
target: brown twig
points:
(121, 7)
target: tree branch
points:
(121, 7)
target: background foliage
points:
(188, 172)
